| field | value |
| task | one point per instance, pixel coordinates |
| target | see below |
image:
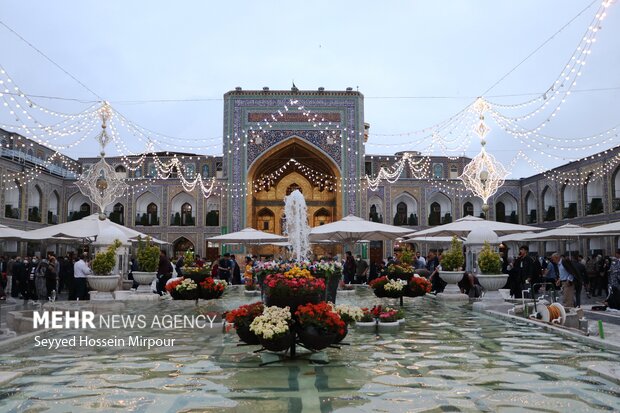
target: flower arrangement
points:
(378, 282)
(388, 316)
(210, 288)
(321, 317)
(453, 259)
(418, 286)
(367, 316)
(328, 269)
(171, 286)
(286, 285)
(297, 272)
(244, 315)
(399, 271)
(250, 285)
(186, 285)
(489, 261)
(273, 323)
(349, 313)
(394, 286)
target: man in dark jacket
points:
(164, 272)
(523, 269)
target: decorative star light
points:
(483, 176)
(100, 183)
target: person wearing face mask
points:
(361, 270)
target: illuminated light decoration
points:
(100, 183)
(419, 169)
(319, 179)
(566, 80)
(483, 176)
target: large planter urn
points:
(340, 337)
(145, 279)
(491, 284)
(103, 286)
(452, 291)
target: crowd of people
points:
(34, 278)
(572, 275)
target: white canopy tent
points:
(351, 229)
(604, 230)
(463, 226)
(248, 236)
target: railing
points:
(146, 220)
(569, 211)
(177, 220)
(22, 157)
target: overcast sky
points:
(416, 62)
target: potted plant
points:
(251, 288)
(418, 286)
(378, 285)
(148, 261)
(367, 322)
(210, 288)
(103, 282)
(187, 289)
(452, 262)
(293, 288)
(490, 266)
(272, 328)
(320, 325)
(350, 314)
(242, 317)
(388, 320)
(171, 288)
(332, 273)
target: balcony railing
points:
(595, 207)
(19, 156)
(146, 220)
(178, 220)
(550, 214)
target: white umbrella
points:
(248, 236)
(610, 229)
(89, 227)
(463, 226)
(429, 239)
(352, 229)
(516, 237)
(564, 232)
(8, 233)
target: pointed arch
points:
(13, 200)
(321, 217)
(35, 203)
(531, 211)
(506, 208)
(183, 210)
(569, 201)
(440, 209)
(375, 209)
(549, 204)
(594, 195)
(148, 208)
(405, 209)
(615, 190)
(181, 245)
(53, 208)
(78, 207)
(472, 206)
(266, 220)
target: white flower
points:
(351, 311)
(273, 322)
(395, 285)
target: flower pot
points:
(314, 340)
(209, 294)
(247, 336)
(189, 294)
(281, 343)
(340, 337)
(366, 326)
(401, 321)
(389, 327)
(251, 293)
(144, 279)
(491, 284)
(103, 285)
(452, 291)
(331, 289)
(292, 302)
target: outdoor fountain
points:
(296, 226)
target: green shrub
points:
(453, 259)
(489, 261)
(104, 262)
(148, 255)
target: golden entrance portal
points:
(293, 164)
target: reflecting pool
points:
(445, 358)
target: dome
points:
(109, 233)
(479, 235)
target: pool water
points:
(445, 358)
